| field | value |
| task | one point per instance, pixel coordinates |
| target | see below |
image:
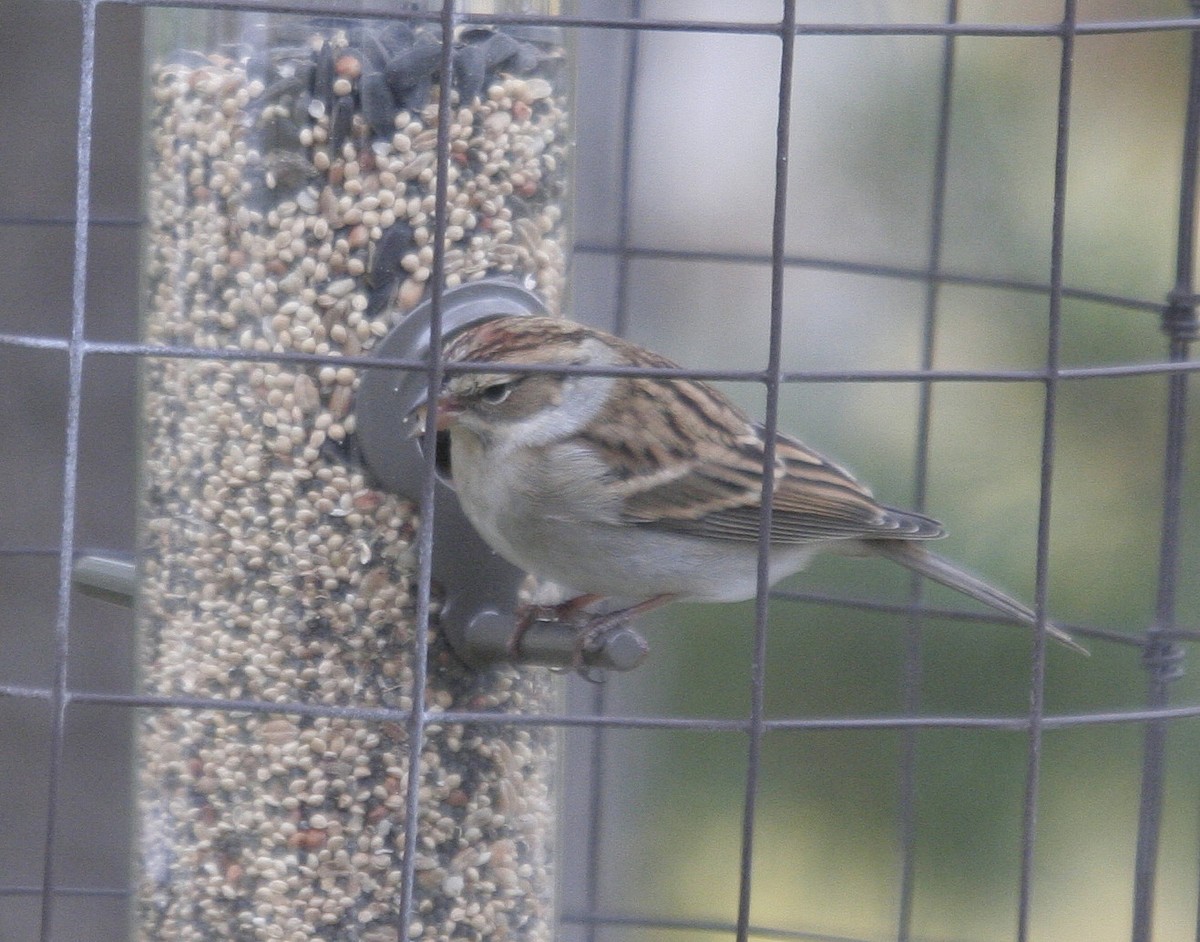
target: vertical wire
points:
(625, 172)
(1161, 656)
(787, 38)
(912, 641)
(420, 715)
(598, 737)
(1037, 680)
(593, 843)
(62, 624)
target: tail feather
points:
(914, 556)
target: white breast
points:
(548, 517)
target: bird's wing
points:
(699, 466)
(697, 469)
(719, 496)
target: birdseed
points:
(290, 202)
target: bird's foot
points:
(570, 613)
(592, 630)
(590, 640)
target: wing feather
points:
(814, 500)
(698, 469)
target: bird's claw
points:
(570, 614)
(590, 639)
(591, 632)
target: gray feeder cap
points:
(386, 396)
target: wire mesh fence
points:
(849, 757)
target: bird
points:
(644, 487)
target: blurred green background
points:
(863, 138)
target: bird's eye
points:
(496, 393)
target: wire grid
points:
(1159, 643)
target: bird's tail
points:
(914, 556)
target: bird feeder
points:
(293, 220)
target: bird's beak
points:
(448, 411)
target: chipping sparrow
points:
(647, 488)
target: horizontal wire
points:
(905, 272)
(101, 891)
(789, 595)
(708, 256)
(69, 220)
(560, 720)
(786, 595)
(745, 258)
(698, 925)
(382, 9)
(957, 614)
(227, 355)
